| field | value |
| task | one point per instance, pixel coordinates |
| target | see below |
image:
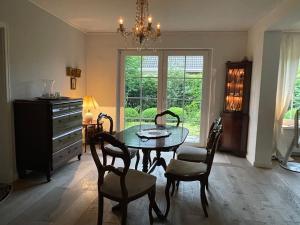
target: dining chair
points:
(177, 120)
(196, 154)
(120, 184)
(179, 170)
(133, 152)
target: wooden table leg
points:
(145, 160)
(158, 161)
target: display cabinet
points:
(236, 107)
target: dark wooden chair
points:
(133, 152)
(179, 170)
(120, 184)
(158, 160)
(196, 154)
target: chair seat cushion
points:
(192, 154)
(185, 169)
(132, 151)
(136, 183)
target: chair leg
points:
(173, 187)
(100, 209)
(167, 193)
(151, 196)
(124, 213)
(150, 160)
(113, 161)
(203, 197)
(137, 159)
(177, 184)
(206, 183)
(174, 153)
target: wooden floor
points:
(239, 195)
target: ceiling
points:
(174, 15)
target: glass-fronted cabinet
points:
(236, 107)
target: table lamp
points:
(89, 103)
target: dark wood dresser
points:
(48, 133)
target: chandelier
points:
(142, 32)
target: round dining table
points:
(131, 138)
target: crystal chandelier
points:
(142, 32)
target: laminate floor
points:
(239, 195)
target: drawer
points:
(60, 109)
(67, 153)
(60, 124)
(76, 117)
(67, 139)
(66, 122)
(75, 106)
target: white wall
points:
(102, 60)
(263, 49)
(40, 46)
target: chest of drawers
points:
(47, 134)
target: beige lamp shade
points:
(89, 103)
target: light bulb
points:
(121, 21)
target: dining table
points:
(172, 137)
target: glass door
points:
(153, 82)
(183, 85)
(141, 81)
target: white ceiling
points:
(174, 15)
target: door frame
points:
(6, 63)
(208, 79)
(10, 173)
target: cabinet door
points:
(235, 133)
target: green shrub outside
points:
(131, 113)
(149, 113)
(178, 111)
(290, 114)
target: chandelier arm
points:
(142, 31)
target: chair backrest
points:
(216, 134)
(210, 138)
(167, 112)
(102, 116)
(102, 138)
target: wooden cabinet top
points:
(49, 101)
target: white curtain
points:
(287, 71)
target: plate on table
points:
(153, 133)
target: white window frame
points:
(162, 82)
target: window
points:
(152, 82)
(295, 102)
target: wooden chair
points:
(120, 184)
(133, 152)
(158, 159)
(196, 154)
(179, 170)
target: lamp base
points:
(88, 117)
